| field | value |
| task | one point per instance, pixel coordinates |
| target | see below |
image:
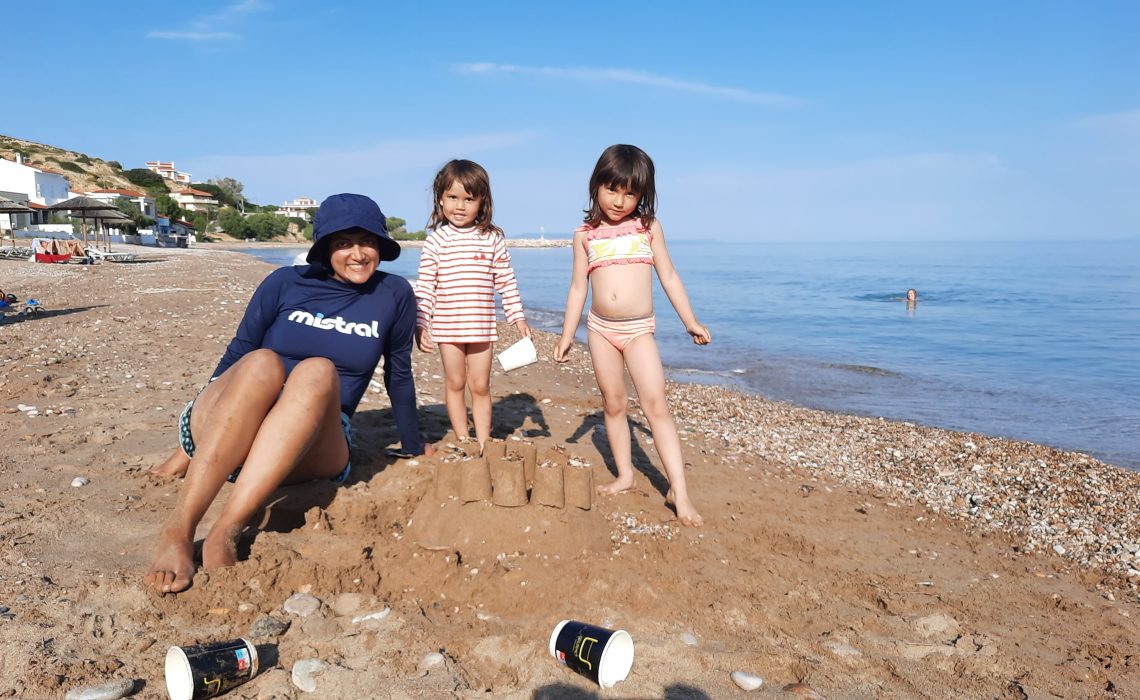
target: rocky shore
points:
(843, 557)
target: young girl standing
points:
(617, 249)
(463, 263)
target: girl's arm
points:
(426, 279)
(507, 286)
(674, 288)
(575, 298)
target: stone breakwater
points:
(1050, 500)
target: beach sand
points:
(843, 556)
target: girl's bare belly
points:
(622, 291)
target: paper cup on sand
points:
(604, 656)
(518, 355)
(208, 670)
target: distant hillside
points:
(84, 172)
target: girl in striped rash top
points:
(463, 263)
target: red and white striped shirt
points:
(460, 271)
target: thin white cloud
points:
(216, 26)
(621, 75)
(193, 36)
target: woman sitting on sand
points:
(277, 409)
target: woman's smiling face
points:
(354, 256)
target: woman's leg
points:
(479, 382)
(454, 358)
(300, 439)
(226, 418)
(648, 376)
(609, 371)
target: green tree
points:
(166, 206)
(233, 190)
(396, 226)
(266, 227)
(232, 222)
(130, 209)
(150, 181)
(201, 221)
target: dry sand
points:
(843, 556)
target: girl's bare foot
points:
(686, 511)
(220, 548)
(173, 567)
(175, 465)
(618, 485)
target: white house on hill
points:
(194, 200)
(298, 207)
(168, 171)
(34, 186)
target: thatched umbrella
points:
(86, 206)
(9, 207)
(102, 218)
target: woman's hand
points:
(522, 327)
(423, 340)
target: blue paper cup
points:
(604, 656)
(208, 670)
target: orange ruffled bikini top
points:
(624, 244)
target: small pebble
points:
(106, 691)
(304, 672)
(1059, 549)
(301, 604)
(430, 660)
(268, 627)
(690, 639)
(379, 615)
(747, 681)
(79, 482)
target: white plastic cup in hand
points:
(518, 355)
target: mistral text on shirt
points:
(338, 324)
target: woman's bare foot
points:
(618, 485)
(686, 511)
(219, 549)
(173, 567)
(175, 465)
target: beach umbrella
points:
(9, 207)
(86, 206)
(101, 219)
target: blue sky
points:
(768, 121)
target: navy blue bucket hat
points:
(347, 212)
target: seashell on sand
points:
(747, 681)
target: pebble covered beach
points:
(842, 556)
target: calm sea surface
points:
(1036, 341)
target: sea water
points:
(1037, 341)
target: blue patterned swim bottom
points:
(186, 440)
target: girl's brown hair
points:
(625, 166)
(477, 183)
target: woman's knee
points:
(263, 365)
(318, 370)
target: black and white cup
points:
(604, 656)
(208, 670)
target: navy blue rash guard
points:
(301, 312)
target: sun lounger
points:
(100, 256)
(14, 252)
